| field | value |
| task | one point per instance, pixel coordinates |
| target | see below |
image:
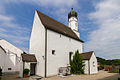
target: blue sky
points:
(99, 22)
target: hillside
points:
(103, 61)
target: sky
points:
(98, 21)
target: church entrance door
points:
(32, 68)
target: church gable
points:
(37, 39)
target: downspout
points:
(23, 68)
(89, 66)
(45, 53)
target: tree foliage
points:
(77, 64)
(108, 62)
(116, 62)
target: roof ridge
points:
(57, 26)
(12, 44)
(54, 19)
(87, 55)
(87, 52)
(2, 48)
(28, 54)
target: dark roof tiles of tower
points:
(72, 13)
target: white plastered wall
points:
(10, 62)
(2, 58)
(37, 45)
(93, 64)
(86, 67)
(62, 46)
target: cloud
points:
(55, 3)
(16, 33)
(5, 18)
(11, 31)
(106, 39)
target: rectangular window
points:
(93, 64)
(9, 68)
(53, 52)
(70, 55)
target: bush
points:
(77, 64)
(114, 71)
(26, 71)
(116, 62)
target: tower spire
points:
(72, 21)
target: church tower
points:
(72, 21)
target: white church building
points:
(53, 44)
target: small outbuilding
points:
(9, 57)
(28, 61)
(90, 62)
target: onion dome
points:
(72, 13)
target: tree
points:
(103, 62)
(116, 62)
(77, 64)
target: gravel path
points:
(102, 75)
(12, 77)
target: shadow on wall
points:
(113, 77)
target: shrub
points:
(116, 62)
(114, 71)
(26, 71)
(77, 64)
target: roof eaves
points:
(65, 35)
(3, 49)
(58, 31)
